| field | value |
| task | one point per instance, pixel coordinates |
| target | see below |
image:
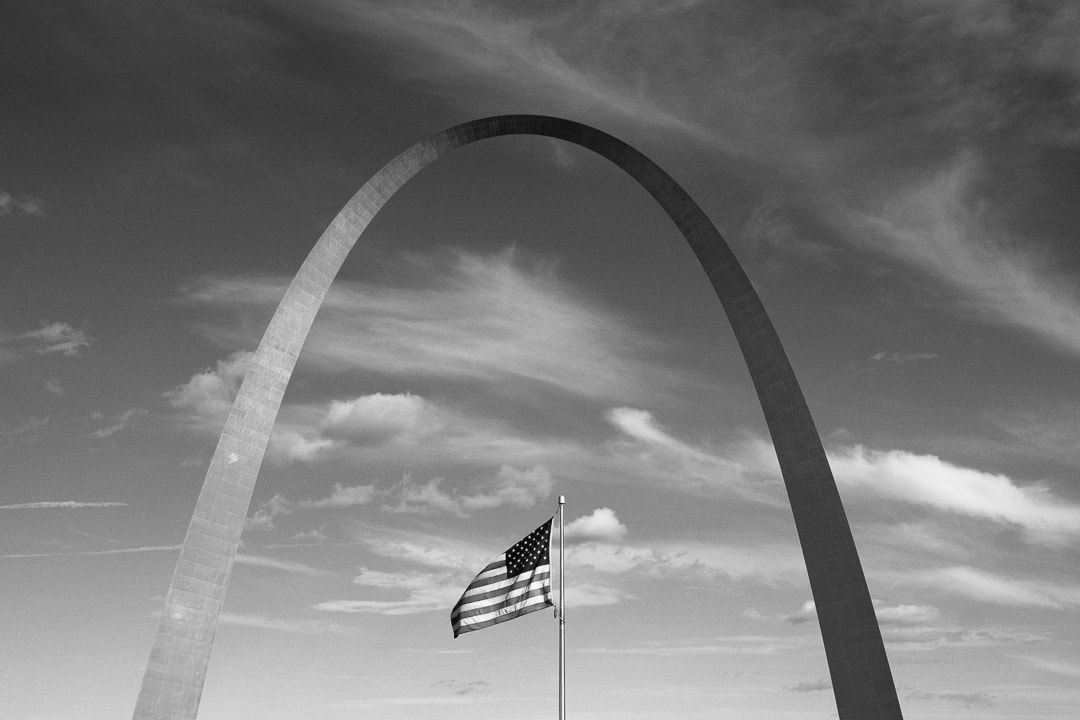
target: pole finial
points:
(562, 499)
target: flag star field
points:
(899, 180)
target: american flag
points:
(516, 584)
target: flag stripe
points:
(502, 588)
(502, 618)
(526, 588)
(495, 595)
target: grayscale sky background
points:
(900, 180)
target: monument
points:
(861, 677)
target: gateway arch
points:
(861, 678)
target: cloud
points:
(1058, 667)
(299, 627)
(342, 496)
(822, 683)
(905, 614)
(510, 487)
(316, 535)
(482, 320)
(985, 587)
(921, 638)
(999, 278)
(263, 517)
(530, 55)
(426, 591)
(65, 504)
(902, 358)
(376, 419)
(601, 524)
(747, 467)
(966, 699)
(693, 562)
(289, 446)
(928, 480)
(120, 422)
(22, 205)
(57, 338)
(282, 565)
(804, 614)
(729, 645)
(24, 431)
(208, 396)
(92, 553)
(54, 387)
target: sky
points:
(521, 322)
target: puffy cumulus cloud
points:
(804, 614)
(510, 487)
(601, 524)
(289, 446)
(928, 480)
(208, 395)
(905, 614)
(263, 517)
(378, 418)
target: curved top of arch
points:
(858, 666)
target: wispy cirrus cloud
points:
(94, 553)
(63, 504)
(26, 430)
(928, 480)
(901, 358)
(724, 645)
(981, 586)
(21, 205)
(996, 276)
(117, 424)
(342, 496)
(747, 467)
(207, 397)
(510, 487)
(460, 317)
(289, 566)
(288, 625)
(52, 338)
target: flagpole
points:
(562, 618)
